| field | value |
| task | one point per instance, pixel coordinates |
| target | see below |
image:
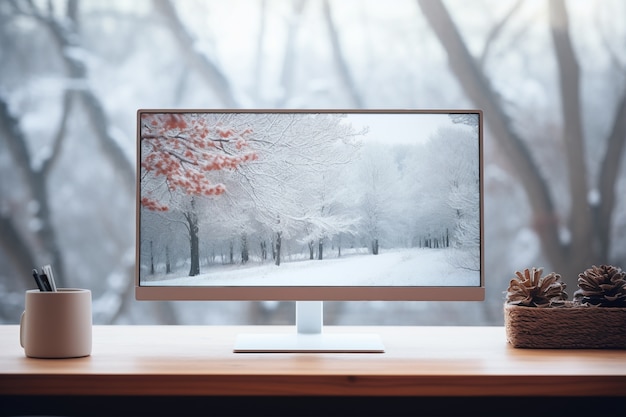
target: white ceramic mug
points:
(57, 324)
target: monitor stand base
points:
(312, 343)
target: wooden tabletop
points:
(418, 361)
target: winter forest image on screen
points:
(309, 199)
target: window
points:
(548, 75)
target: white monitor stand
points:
(309, 336)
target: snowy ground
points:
(406, 267)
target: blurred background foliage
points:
(550, 76)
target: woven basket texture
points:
(565, 327)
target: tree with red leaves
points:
(178, 154)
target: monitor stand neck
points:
(309, 317)
(309, 336)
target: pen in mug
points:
(47, 272)
(46, 282)
(39, 281)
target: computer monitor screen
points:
(309, 205)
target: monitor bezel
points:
(310, 293)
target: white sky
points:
(400, 128)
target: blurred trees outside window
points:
(549, 75)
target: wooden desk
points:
(157, 363)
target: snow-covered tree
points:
(463, 196)
(443, 182)
(380, 199)
(179, 152)
(292, 185)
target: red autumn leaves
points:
(184, 149)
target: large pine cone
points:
(531, 290)
(602, 286)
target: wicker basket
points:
(566, 327)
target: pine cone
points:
(602, 286)
(531, 290)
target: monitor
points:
(309, 206)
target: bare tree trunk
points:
(258, 74)
(339, 59)
(286, 75)
(278, 245)
(320, 250)
(245, 253)
(194, 244)
(65, 33)
(481, 93)
(66, 36)
(206, 68)
(168, 262)
(609, 169)
(36, 180)
(152, 270)
(568, 256)
(18, 253)
(495, 32)
(580, 248)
